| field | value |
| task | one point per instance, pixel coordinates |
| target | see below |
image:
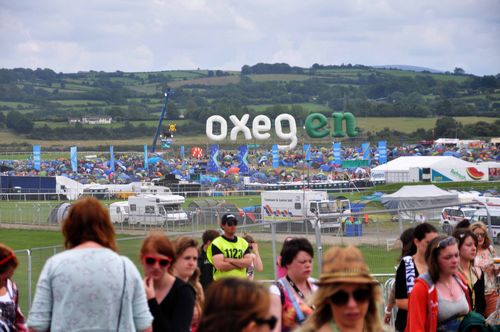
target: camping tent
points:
(419, 196)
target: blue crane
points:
(163, 112)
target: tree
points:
(19, 122)
(458, 71)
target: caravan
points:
(156, 210)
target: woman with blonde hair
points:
(348, 297)
(485, 261)
(89, 286)
(186, 269)
(236, 305)
(170, 299)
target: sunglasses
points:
(482, 235)
(446, 242)
(150, 260)
(271, 321)
(231, 223)
(360, 295)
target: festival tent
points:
(420, 196)
(409, 168)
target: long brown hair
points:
(232, 303)
(159, 242)
(481, 226)
(88, 220)
(432, 254)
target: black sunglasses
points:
(342, 297)
(150, 260)
(271, 321)
(231, 223)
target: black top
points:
(479, 304)
(402, 293)
(206, 269)
(175, 312)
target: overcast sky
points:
(151, 35)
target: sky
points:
(153, 35)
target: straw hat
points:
(345, 265)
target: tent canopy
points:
(420, 196)
(405, 163)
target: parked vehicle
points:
(452, 215)
(156, 210)
(481, 215)
(303, 205)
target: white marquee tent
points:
(420, 196)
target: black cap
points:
(228, 217)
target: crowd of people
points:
(442, 283)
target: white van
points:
(119, 212)
(482, 216)
(452, 215)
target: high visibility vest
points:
(230, 250)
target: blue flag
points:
(243, 150)
(307, 152)
(74, 159)
(213, 165)
(146, 164)
(182, 158)
(365, 147)
(337, 153)
(382, 152)
(276, 156)
(111, 158)
(37, 157)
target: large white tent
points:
(408, 168)
(419, 196)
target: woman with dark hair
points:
(290, 294)
(170, 299)
(439, 299)
(89, 286)
(348, 297)
(185, 268)
(11, 317)
(410, 267)
(484, 260)
(236, 305)
(471, 275)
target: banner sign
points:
(365, 148)
(37, 157)
(111, 158)
(382, 152)
(355, 163)
(307, 152)
(182, 158)
(316, 126)
(74, 159)
(243, 150)
(276, 156)
(146, 164)
(460, 174)
(213, 165)
(337, 153)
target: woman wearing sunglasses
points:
(236, 305)
(472, 275)
(348, 297)
(89, 287)
(170, 300)
(186, 269)
(439, 299)
(484, 260)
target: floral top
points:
(484, 260)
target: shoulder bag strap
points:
(123, 295)
(300, 315)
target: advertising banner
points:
(494, 173)
(382, 152)
(276, 156)
(243, 150)
(74, 159)
(111, 158)
(213, 165)
(365, 148)
(337, 153)
(146, 164)
(37, 157)
(460, 174)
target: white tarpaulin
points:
(420, 196)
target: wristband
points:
(388, 311)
